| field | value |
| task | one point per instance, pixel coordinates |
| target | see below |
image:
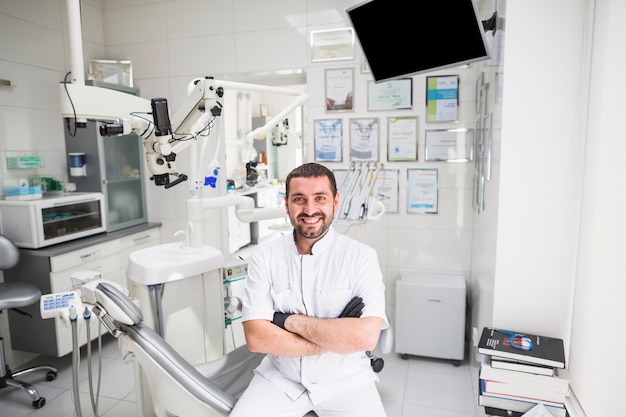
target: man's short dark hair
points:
(309, 170)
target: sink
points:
(172, 262)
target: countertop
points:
(84, 242)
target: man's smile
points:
(311, 220)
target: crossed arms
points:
(300, 335)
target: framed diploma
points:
(442, 98)
(452, 145)
(422, 191)
(364, 139)
(386, 189)
(327, 137)
(402, 141)
(390, 95)
(332, 45)
(339, 89)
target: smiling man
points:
(314, 303)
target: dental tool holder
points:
(67, 305)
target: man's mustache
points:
(306, 216)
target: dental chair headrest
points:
(118, 305)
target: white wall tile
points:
(483, 244)
(202, 55)
(452, 174)
(154, 87)
(26, 128)
(30, 44)
(116, 4)
(136, 24)
(95, 3)
(324, 12)
(46, 13)
(31, 86)
(92, 24)
(270, 50)
(254, 15)
(191, 18)
(90, 51)
(430, 249)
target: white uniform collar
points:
(326, 242)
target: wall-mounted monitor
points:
(400, 38)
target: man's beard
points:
(319, 231)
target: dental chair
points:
(177, 388)
(14, 295)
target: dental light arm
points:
(260, 132)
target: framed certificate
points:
(422, 191)
(327, 137)
(364, 139)
(332, 45)
(452, 145)
(386, 189)
(339, 89)
(390, 95)
(442, 98)
(402, 141)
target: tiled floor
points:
(415, 387)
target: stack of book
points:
(519, 371)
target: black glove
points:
(279, 319)
(354, 308)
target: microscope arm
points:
(80, 101)
(128, 113)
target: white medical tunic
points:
(318, 285)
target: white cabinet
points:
(430, 316)
(114, 167)
(50, 270)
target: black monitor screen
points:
(431, 34)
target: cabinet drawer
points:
(106, 266)
(140, 239)
(79, 258)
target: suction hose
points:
(75, 360)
